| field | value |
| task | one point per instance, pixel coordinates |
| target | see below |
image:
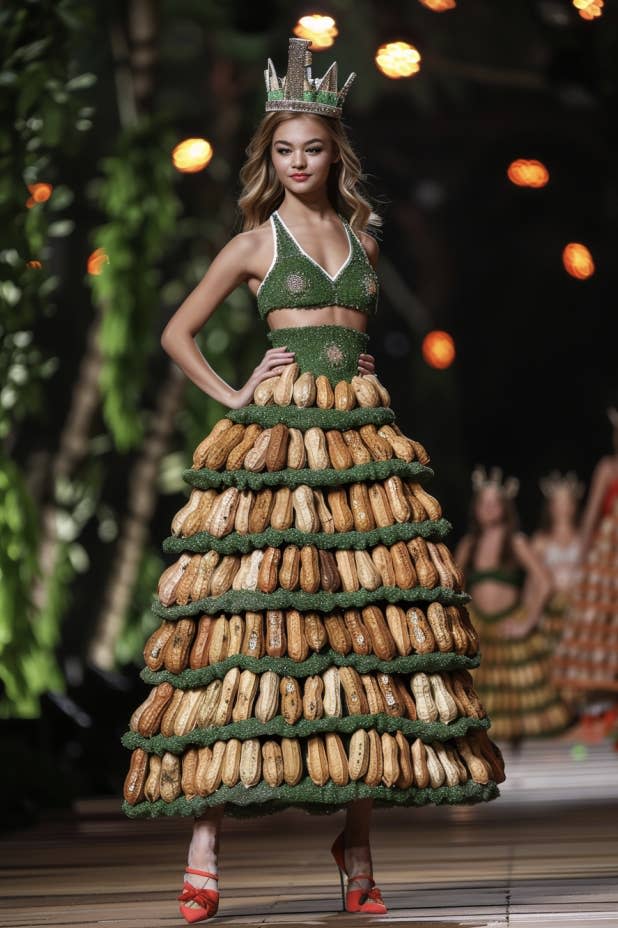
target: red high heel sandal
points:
(368, 901)
(207, 900)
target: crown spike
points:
(346, 87)
(556, 481)
(482, 479)
(297, 53)
(495, 475)
(329, 79)
(511, 487)
(299, 91)
(270, 76)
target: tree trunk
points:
(143, 495)
(72, 448)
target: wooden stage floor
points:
(545, 854)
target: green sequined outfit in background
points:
(514, 680)
(314, 645)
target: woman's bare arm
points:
(462, 553)
(539, 583)
(371, 247)
(538, 543)
(239, 261)
(598, 487)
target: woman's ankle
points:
(358, 860)
(203, 856)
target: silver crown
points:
(298, 91)
(482, 479)
(556, 481)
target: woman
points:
(587, 656)
(317, 676)
(557, 544)
(509, 587)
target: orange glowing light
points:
(439, 6)
(192, 155)
(438, 349)
(527, 172)
(589, 9)
(39, 194)
(35, 264)
(97, 261)
(398, 59)
(320, 29)
(578, 261)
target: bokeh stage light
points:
(192, 155)
(398, 59)
(97, 261)
(578, 261)
(528, 172)
(321, 30)
(438, 349)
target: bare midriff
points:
(493, 596)
(322, 315)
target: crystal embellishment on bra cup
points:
(369, 285)
(295, 283)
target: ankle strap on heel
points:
(213, 876)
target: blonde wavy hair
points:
(262, 191)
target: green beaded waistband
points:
(332, 350)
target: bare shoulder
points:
(463, 550)
(249, 252)
(370, 245)
(521, 542)
(246, 243)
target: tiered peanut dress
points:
(587, 655)
(314, 645)
(514, 679)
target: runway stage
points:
(545, 854)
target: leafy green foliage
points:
(27, 666)
(41, 103)
(137, 197)
(42, 107)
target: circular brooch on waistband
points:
(334, 355)
(295, 283)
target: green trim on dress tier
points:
(203, 478)
(304, 728)
(434, 662)
(255, 601)
(263, 799)
(235, 543)
(303, 418)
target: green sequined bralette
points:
(295, 281)
(513, 576)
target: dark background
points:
(463, 249)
